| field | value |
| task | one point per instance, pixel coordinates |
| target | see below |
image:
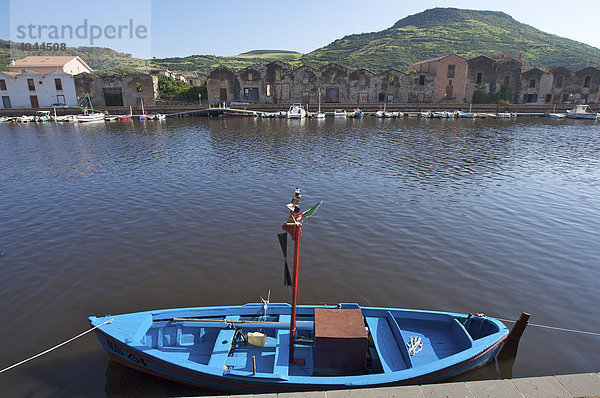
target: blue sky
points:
(186, 27)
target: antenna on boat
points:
(293, 226)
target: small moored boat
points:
(126, 117)
(340, 113)
(90, 117)
(582, 112)
(296, 111)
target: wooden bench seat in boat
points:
(389, 343)
(222, 345)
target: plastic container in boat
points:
(257, 338)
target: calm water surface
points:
(486, 216)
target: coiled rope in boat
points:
(55, 347)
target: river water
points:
(490, 216)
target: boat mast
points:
(294, 228)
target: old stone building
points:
(488, 75)
(561, 85)
(250, 82)
(450, 74)
(278, 79)
(420, 88)
(536, 85)
(306, 85)
(112, 89)
(221, 85)
(334, 83)
(362, 86)
(588, 82)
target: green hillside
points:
(204, 63)
(442, 31)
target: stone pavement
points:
(561, 386)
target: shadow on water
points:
(122, 381)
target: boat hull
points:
(180, 368)
(90, 118)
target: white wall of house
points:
(75, 66)
(44, 89)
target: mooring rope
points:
(553, 327)
(56, 346)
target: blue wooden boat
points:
(266, 347)
(199, 346)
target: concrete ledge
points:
(567, 386)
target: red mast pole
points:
(294, 228)
(296, 239)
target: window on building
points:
(3, 84)
(449, 82)
(60, 99)
(565, 98)
(278, 75)
(6, 102)
(532, 83)
(507, 79)
(587, 82)
(221, 76)
(548, 98)
(58, 84)
(268, 90)
(422, 80)
(305, 78)
(86, 88)
(249, 77)
(451, 69)
(31, 84)
(138, 87)
(479, 78)
(559, 81)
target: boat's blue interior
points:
(212, 342)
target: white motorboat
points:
(340, 113)
(553, 115)
(506, 115)
(296, 112)
(582, 112)
(90, 117)
(469, 115)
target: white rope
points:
(55, 347)
(553, 327)
(415, 345)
